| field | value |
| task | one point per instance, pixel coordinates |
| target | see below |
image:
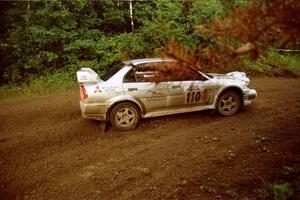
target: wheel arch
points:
(236, 89)
(140, 108)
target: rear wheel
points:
(229, 103)
(125, 116)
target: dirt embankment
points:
(47, 151)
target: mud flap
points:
(103, 126)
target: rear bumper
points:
(96, 111)
(249, 95)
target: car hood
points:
(241, 76)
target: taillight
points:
(83, 94)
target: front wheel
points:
(124, 116)
(229, 103)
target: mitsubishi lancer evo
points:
(135, 89)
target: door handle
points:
(175, 86)
(132, 89)
(155, 93)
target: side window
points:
(192, 75)
(140, 75)
(145, 76)
(177, 72)
(130, 77)
(172, 71)
(162, 72)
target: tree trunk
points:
(131, 15)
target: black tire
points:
(229, 103)
(124, 116)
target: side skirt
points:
(177, 111)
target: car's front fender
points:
(229, 87)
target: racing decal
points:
(207, 96)
(193, 96)
(97, 89)
(196, 96)
(110, 89)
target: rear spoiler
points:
(87, 75)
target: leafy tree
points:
(205, 11)
(46, 36)
(43, 37)
(231, 4)
(163, 25)
(248, 30)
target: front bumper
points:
(248, 95)
(94, 111)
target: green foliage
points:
(43, 37)
(40, 38)
(55, 82)
(163, 19)
(230, 4)
(284, 61)
(288, 188)
(262, 139)
(130, 45)
(205, 11)
(282, 191)
(288, 171)
(275, 61)
(58, 78)
(143, 12)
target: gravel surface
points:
(47, 151)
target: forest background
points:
(43, 43)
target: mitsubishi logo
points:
(97, 89)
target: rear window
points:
(112, 71)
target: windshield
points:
(112, 70)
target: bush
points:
(276, 62)
(55, 82)
(205, 11)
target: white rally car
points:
(129, 92)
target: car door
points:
(139, 84)
(193, 90)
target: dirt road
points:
(47, 151)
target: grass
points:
(275, 62)
(56, 82)
(282, 191)
(284, 185)
(261, 139)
